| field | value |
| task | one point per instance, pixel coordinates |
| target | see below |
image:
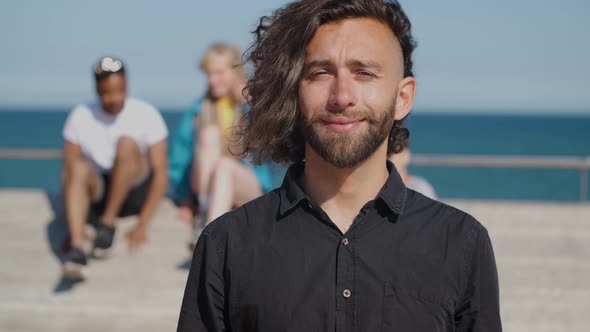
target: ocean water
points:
(431, 133)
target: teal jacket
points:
(180, 158)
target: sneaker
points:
(103, 241)
(74, 266)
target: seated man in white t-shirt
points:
(115, 164)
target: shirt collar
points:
(393, 193)
(291, 192)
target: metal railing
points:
(582, 164)
(36, 154)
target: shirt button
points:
(345, 241)
(347, 293)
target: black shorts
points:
(133, 202)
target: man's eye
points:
(365, 73)
(319, 73)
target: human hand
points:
(136, 237)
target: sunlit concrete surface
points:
(542, 251)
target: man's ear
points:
(405, 97)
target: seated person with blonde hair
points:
(203, 168)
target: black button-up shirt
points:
(278, 263)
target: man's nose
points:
(342, 94)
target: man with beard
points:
(342, 245)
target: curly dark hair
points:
(269, 130)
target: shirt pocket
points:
(410, 309)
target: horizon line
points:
(421, 110)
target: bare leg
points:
(130, 165)
(80, 184)
(207, 154)
(233, 185)
(187, 211)
(246, 185)
(221, 194)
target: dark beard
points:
(346, 150)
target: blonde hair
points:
(222, 49)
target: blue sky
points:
(525, 55)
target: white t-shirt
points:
(97, 132)
(421, 185)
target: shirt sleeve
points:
(479, 310)
(157, 130)
(204, 297)
(70, 129)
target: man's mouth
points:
(341, 124)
